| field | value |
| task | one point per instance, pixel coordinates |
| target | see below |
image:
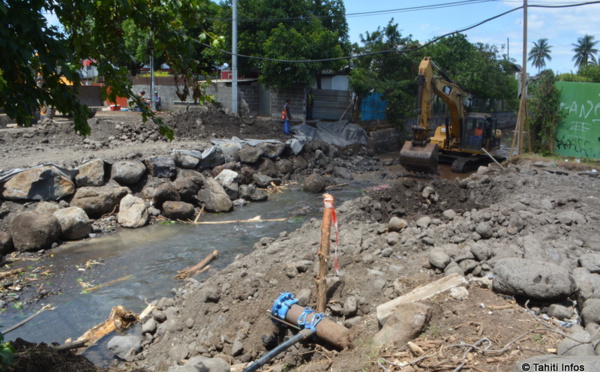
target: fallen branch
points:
(199, 213)
(6, 274)
(46, 307)
(334, 186)
(253, 219)
(119, 318)
(109, 283)
(182, 274)
(72, 345)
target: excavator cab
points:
(479, 132)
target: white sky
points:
(561, 26)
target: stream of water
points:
(148, 259)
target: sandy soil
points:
(247, 288)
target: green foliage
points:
(544, 113)
(392, 74)
(6, 353)
(540, 53)
(572, 78)
(285, 30)
(590, 72)
(477, 68)
(35, 55)
(584, 49)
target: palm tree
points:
(584, 51)
(540, 53)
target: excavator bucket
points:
(422, 159)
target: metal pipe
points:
(327, 330)
(303, 334)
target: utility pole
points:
(152, 102)
(522, 116)
(234, 72)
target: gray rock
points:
(133, 212)
(579, 344)
(267, 166)
(424, 222)
(97, 201)
(392, 238)
(314, 183)
(166, 191)
(588, 284)
(251, 193)
(231, 151)
(128, 172)
(250, 154)
(33, 231)
(74, 223)
(559, 363)
(122, 346)
(211, 158)
(450, 214)
(350, 307)
(185, 161)
(6, 243)
(481, 251)
(203, 364)
(262, 180)
(484, 230)
(178, 210)
(560, 312)
(161, 167)
(284, 166)
(237, 348)
(272, 149)
(91, 173)
(531, 278)
(571, 217)
(591, 311)
(453, 268)
(590, 261)
(304, 297)
(188, 188)
(405, 323)
(39, 183)
(149, 326)
(342, 172)
(438, 258)
(397, 224)
(213, 197)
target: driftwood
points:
(253, 219)
(324, 253)
(21, 323)
(109, 283)
(6, 274)
(182, 274)
(119, 318)
(199, 213)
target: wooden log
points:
(253, 219)
(6, 274)
(182, 274)
(324, 254)
(21, 323)
(119, 318)
(199, 213)
(109, 283)
(421, 293)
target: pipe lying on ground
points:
(285, 312)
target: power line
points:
(362, 14)
(404, 50)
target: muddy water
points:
(147, 260)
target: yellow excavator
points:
(464, 137)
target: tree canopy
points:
(36, 55)
(584, 49)
(285, 30)
(540, 53)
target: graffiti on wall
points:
(579, 134)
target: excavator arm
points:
(421, 154)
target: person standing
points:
(157, 101)
(286, 115)
(309, 105)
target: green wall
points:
(579, 134)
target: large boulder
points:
(228, 179)
(124, 347)
(91, 173)
(250, 154)
(231, 151)
(40, 183)
(128, 172)
(74, 223)
(532, 278)
(133, 212)
(213, 197)
(185, 161)
(405, 323)
(212, 157)
(32, 231)
(166, 191)
(272, 150)
(188, 187)
(314, 183)
(6, 243)
(178, 210)
(251, 193)
(161, 167)
(97, 201)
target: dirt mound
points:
(31, 357)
